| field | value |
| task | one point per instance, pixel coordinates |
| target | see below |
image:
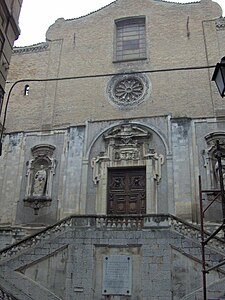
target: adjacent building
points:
(109, 125)
(9, 32)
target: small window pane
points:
(131, 45)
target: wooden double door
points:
(126, 191)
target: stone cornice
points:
(220, 24)
(33, 48)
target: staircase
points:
(185, 239)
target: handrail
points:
(124, 222)
(4, 295)
(68, 221)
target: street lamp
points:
(219, 76)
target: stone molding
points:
(33, 48)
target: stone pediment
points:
(43, 150)
(127, 132)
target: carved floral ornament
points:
(124, 144)
(128, 90)
(40, 171)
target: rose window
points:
(127, 90)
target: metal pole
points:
(202, 242)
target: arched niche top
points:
(212, 138)
(42, 150)
(146, 130)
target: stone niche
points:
(212, 174)
(211, 163)
(127, 146)
(40, 172)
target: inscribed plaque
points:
(117, 275)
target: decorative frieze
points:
(33, 48)
(127, 142)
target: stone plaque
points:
(117, 275)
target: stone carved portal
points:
(40, 171)
(127, 150)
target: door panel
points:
(126, 191)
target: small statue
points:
(223, 171)
(40, 182)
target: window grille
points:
(130, 39)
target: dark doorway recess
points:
(126, 191)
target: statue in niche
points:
(215, 146)
(39, 173)
(40, 182)
(223, 171)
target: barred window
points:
(130, 39)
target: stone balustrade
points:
(119, 222)
(33, 240)
(5, 296)
(193, 231)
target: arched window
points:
(26, 90)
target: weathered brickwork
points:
(118, 145)
(9, 32)
(176, 37)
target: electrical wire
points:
(87, 77)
